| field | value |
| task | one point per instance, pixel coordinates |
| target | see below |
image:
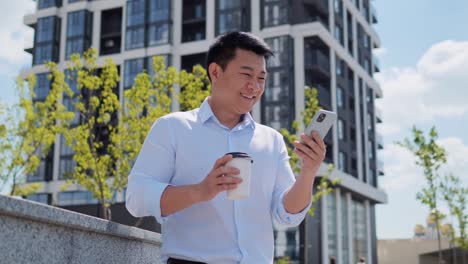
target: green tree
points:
(455, 194)
(430, 156)
(28, 130)
(325, 186)
(109, 137)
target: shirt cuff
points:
(289, 219)
(144, 199)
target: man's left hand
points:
(312, 152)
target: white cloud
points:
(435, 87)
(14, 36)
(402, 174)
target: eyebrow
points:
(251, 69)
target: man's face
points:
(242, 82)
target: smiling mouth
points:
(249, 97)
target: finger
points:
(225, 187)
(319, 140)
(307, 150)
(311, 144)
(221, 161)
(228, 179)
(225, 170)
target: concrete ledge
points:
(38, 233)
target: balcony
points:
(378, 114)
(319, 5)
(380, 144)
(374, 15)
(318, 63)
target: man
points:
(180, 175)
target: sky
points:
(424, 78)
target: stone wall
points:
(31, 232)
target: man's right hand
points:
(219, 179)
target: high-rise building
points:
(326, 44)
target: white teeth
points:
(249, 97)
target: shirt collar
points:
(205, 113)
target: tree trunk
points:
(438, 238)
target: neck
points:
(226, 118)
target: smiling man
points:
(180, 175)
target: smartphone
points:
(322, 121)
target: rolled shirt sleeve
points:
(284, 180)
(152, 172)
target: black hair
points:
(223, 50)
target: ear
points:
(214, 71)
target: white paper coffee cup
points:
(243, 162)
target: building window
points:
(131, 69)
(371, 149)
(135, 35)
(332, 226)
(342, 161)
(193, 20)
(339, 34)
(339, 97)
(111, 31)
(341, 129)
(42, 87)
(79, 32)
(275, 12)
(344, 229)
(39, 197)
(45, 169)
(350, 33)
(359, 230)
(287, 243)
(278, 102)
(47, 40)
(232, 16)
(159, 25)
(76, 198)
(41, 4)
(338, 7)
(339, 67)
(369, 121)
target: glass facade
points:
(136, 66)
(42, 87)
(193, 20)
(41, 4)
(332, 226)
(278, 99)
(287, 243)
(46, 40)
(79, 31)
(148, 23)
(344, 230)
(39, 197)
(75, 198)
(359, 221)
(232, 16)
(274, 12)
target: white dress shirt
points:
(180, 149)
